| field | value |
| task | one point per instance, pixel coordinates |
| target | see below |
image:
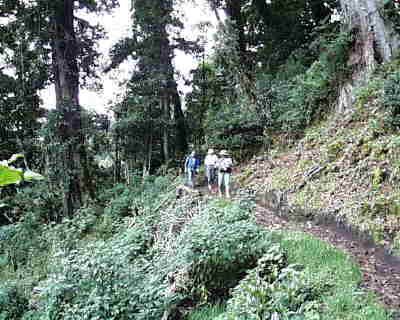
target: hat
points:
(223, 153)
(210, 151)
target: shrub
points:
(22, 243)
(217, 248)
(272, 290)
(207, 313)
(295, 102)
(44, 203)
(391, 98)
(12, 302)
(105, 280)
(365, 94)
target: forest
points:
(99, 218)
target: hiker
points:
(210, 163)
(192, 165)
(224, 165)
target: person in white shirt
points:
(224, 165)
(210, 163)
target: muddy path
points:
(381, 272)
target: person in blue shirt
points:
(192, 165)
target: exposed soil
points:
(381, 272)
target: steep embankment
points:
(345, 175)
(345, 169)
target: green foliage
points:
(171, 255)
(296, 102)
(334, 149)
(267, 33)
(13, 303)
(367, 93)
(390, 10)
(273, 289)
(21, 244)
(38, 199)
(232, 127)
(397, 243)
(291, 298)
(110, 281)
(335, 277)
(207, 91)
(285, 102)
(217, 248)
(377, 178)
(130, 275)
(150, 127)
(207, 313)
(10, 175)
(279, 288)
(391, 98)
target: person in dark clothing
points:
(192, 165)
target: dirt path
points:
(381, 273)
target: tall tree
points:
(152, 101)
(70, 56)
(66, 80)
(23, 72)
(266, 33)
(54, 24)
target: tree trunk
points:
(166, 116)
(148, 156)
(117, 168)
(234, 10)
(66, 79)
(376, 41)
(180, 125)
(170, 99)
(380, 38)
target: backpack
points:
(192, 162)
(225, 165)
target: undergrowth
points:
(146, 255)
(357, 151)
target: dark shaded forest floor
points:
(381, 272)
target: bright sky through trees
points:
(117, 25)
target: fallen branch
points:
(308, 175)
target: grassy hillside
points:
(346, 167)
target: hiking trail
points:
(380, 270)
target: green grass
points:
(207, 312)
(338, 275)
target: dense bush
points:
(390, 11)
(273, 290)
(295, 102)
(128, 277)
(46, 204)
(233, 126)
(391, 98)
(12, 302)
(104, 280)
(21, 243)
(170, 258)
(283, 101)
(217, 248)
